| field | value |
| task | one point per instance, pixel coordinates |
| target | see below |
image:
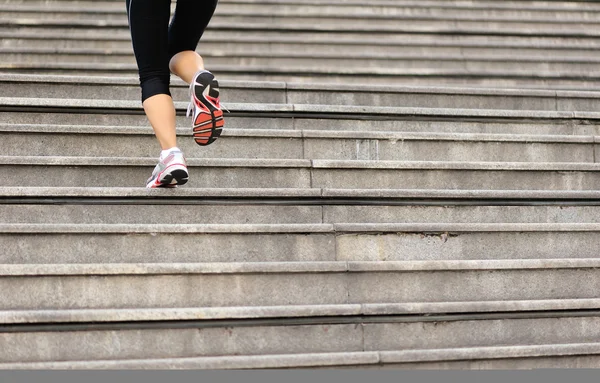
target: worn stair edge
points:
(467, 42)
(537, 73)
(510, 5)
(292, 311)
(369, 22)
(295, 86)
(328, 267)
(363, 228)
(310, 134)
(124, 192)
(330, 9)
(227, 362)
(365, 358)
(136, 106)
(116, 54)
(301, 163)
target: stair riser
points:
(581, 81)
(343, 123)
(224, 177)
(64, 346)
(311, 22)
(316, 96)
(187, 248)
(51, 144)
(175, 291)
(320, 64)
(108, 11)
(155, 212)
(547, 363)
(242, 47)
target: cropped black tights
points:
(155, 41)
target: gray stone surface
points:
(136, 176)
(486, 100)
(228, 362)
(296, 144)
(422, 246)
(280, 212)
(432, 335)
(123, 286)
(176, 343)
(164, 248)
(459, 214)
(159, 214)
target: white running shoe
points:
(170, 172)
(205, 108)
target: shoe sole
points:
(209, 123)
(179, 175)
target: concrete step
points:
(552, 5)
(127, 88)
(322, 61)
(288, 212)
(398, 342)
(56, 36)
(334, 20)
(268, 173)
(317, 23)
(246, 45)
(376, 9)
(325, 312)
(90, 141)
(122, 286)
(479, 358)
(339, 117)
(400, 245)
(540, 78)
(25, 120)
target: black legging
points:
(155, 42)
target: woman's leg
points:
(149, 23)
(189, 22)
(149, 26)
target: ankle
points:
(166, 152)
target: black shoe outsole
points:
(180, 176)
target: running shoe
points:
(205, 108)
(170, 172)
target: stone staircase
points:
(404, 184)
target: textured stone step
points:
(549, 28)
(498, 357)
(246, 45)
(385, 64)
(389, 195)
(300, 144)
(125, 107)
(407, 123)
(265, 173)
(107, 286)
(127, 88)
(52, 244)
(29, 112)
(221, 212)
(401, 342)
(552, 5)
(58, 36)
(377, 9)
(289, 312)
(536, 67)
(274, 312)
(540, 78)
(315, 20)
